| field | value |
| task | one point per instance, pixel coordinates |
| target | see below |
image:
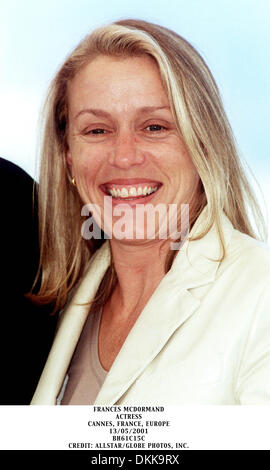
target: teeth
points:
(145, 189)
(132, 192)
(124, 192)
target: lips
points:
(130, 189)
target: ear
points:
(68, 158)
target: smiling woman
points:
(134, 123)
(117, 146)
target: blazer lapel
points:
(162, 315)
(170, 306)
(69, 330)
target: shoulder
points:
(248, 258)
(12, 170)
(249, 249)
(19, 227)
(16, 185)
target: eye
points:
(155, 128)
(94, 131)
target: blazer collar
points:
(169, 307)
(197, 261)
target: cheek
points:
(190, 180)
(185, 175)
(181, 167)
(85, 164)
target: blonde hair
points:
(198, 111)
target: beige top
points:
(85, 375)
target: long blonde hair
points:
(198, 111)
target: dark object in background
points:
(26, 330)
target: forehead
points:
(113, 79)
(102, 66)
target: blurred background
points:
(233, 36)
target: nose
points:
(125, 152)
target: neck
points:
(139, 269)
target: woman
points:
(134, 121)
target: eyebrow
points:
(101, 113)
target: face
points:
(124, 150)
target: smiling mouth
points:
(129, 192)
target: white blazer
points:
(203, 337)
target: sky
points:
(233, 36)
